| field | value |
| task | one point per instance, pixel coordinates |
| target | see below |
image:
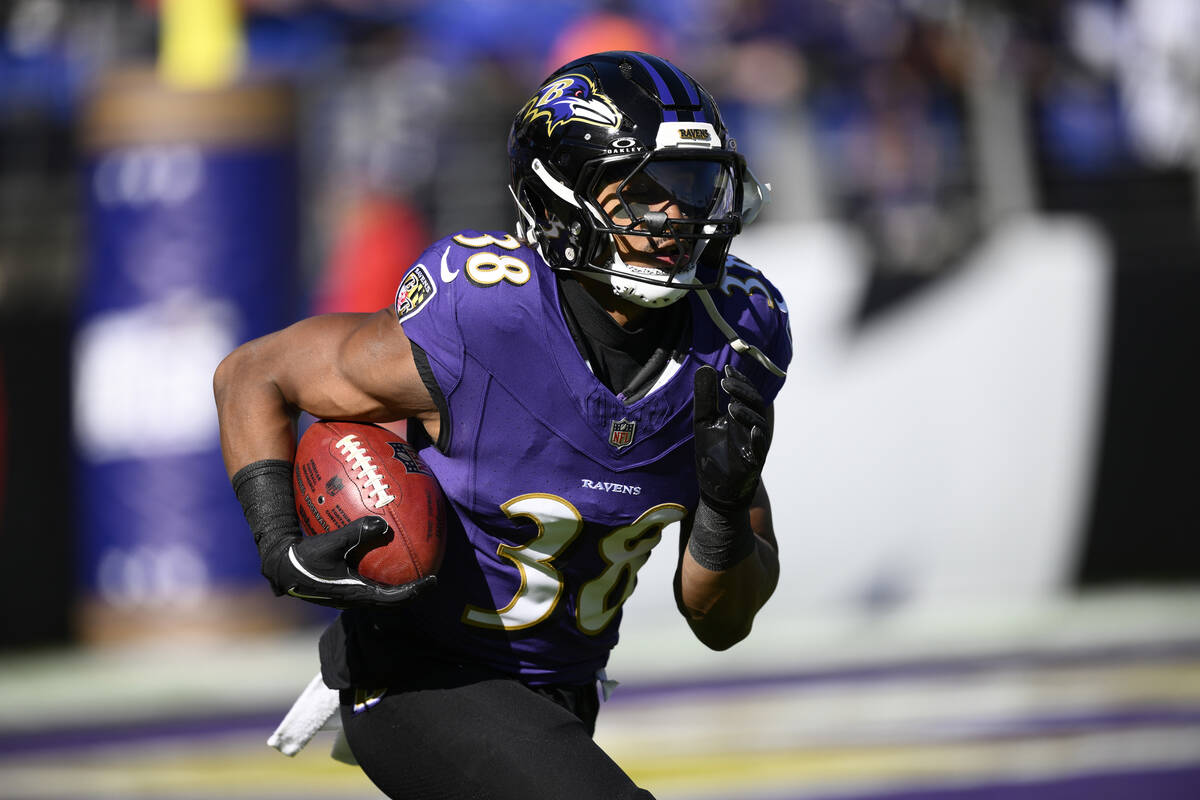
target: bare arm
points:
(342, 366)
(720, 606)
(728, 564)
(345, 366)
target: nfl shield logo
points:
(620, 433)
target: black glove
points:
(731, 448)
(317, 568)
(314, 568)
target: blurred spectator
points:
(1159, 74)
(49, 51)
(381, 237)
(886, 103)
(595, 33)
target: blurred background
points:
(986, 225)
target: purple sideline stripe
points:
(1169, 783)
(262, 722)
(661, 85)
(930, 669)
(118, 732)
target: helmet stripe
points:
(664, 93)
(664, 74)
(693, 99)
(689, 86)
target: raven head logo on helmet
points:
(570, 98)
(646, 194)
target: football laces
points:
(368, 474)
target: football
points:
(348, 470)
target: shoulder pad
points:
(742, 278)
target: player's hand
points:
(318, 568)
(731, 448)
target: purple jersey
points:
(557, 489)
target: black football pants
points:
(485, 738)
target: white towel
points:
(314, 710)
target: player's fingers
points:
(372, 530)
(395, 595)
(367, 534)
(746, 416)
(327, 548)
(739, 387)
(758, 445)
(362, 534)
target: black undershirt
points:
(626, 360)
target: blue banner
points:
(192, 251)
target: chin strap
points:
(736, 342)
(526, 224)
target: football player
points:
(577, 386)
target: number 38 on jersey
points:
(486, 268)
(623, 551)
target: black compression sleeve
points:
(720, 539)
(264, 489)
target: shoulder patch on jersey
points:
(417, 288)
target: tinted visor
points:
(690, 189)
